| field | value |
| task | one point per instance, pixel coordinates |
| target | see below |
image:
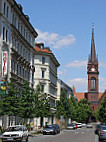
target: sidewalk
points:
(35, 132)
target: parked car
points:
(102, 133)
(89, 125)
(49, 129)
(71, 126)
(97, 129)
(15, 133)
(83, 125)
(79, 125)
(57, 128)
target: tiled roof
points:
(79, 96)
(41, 50)
(100, 95)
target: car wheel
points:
(21, 139)
(100, 139)
(27, 139)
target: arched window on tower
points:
(93, 84)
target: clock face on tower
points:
(92, 69)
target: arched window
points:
(93, 83)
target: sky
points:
(66, 27)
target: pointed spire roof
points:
(93, 57)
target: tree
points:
(63, 106)
(41, 103)
(9, 99)
(72, 108)
(101, 113)
(84, 111)
(25, 102)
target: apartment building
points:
(17, 40)
(46, 66)
(63, 86)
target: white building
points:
(46, 72)
(17, 40)
(63, 86)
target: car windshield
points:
(70, 124)
(14, 129)
(104, 127)
(49, 126)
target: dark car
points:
(50, 129)
(97, 129)
(102, 133)
(57, 128)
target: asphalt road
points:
(78, 135)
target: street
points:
(78, 135)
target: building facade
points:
(63, 86)
(17, 40)
(46, 73)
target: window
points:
(21, 28)
(24, 33)
(18, 26)
(13, 19)
(32, 77)
(4, 8)
(42, 87)
(3, 33)
(17, 69)
(7, 11)
(93, 83)
(6, 35)
(43, 60)
(43, 74)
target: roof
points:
(41, 50)
(100, 95)
(79, 96)
(46, 50)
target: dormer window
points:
(41, 47)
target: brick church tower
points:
(93, 73)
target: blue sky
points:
(66, 27)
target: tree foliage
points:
(41, 103)
(63, 106)
(101, 112)
(69, 108)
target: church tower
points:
(93, 73)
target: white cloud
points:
(78, 82)
(54, 39)
(62, 72)
(77, 64)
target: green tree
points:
(84, 110)
(25, 101)
(73, 105)
(63, 106)
(101, 113)
(9, 99)
(41, 103)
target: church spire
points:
(93, 57)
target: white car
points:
(15, 133)
(79, 125)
